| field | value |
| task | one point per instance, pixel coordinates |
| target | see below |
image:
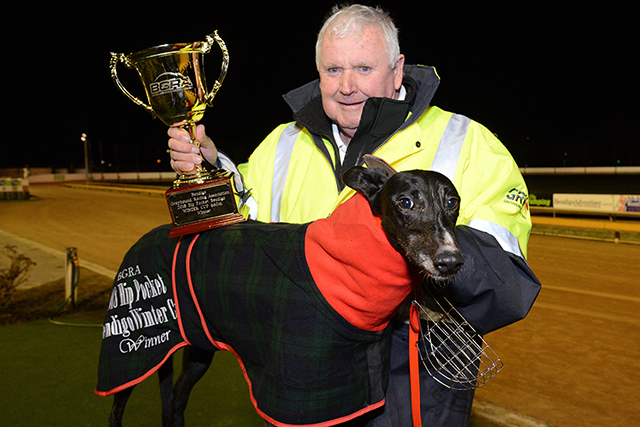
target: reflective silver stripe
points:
(446, 158)
(507, 240)
(228, 165)
(245, 197)
(445, 162)
(253, 207)
(284, 149)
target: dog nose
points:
(449, 262)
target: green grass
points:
(49, 371)
(49, 374)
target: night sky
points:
(553, 80)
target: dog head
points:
(418, 210)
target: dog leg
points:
(165, 375)
(195, 362)
(117, 410)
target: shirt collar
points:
(342, 148)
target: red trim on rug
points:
(143, 377)
(226, 347)
(194, 298)
(175, 293)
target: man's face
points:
(353, 70)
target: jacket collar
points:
(306, 104)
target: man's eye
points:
(365, 69)
(452, 203)
(405, 203)
(333, 70)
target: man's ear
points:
(368, 181)
(398, 73)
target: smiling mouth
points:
(351, 104)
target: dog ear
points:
(378, 162)
(368, 181)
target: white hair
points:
(352, 20)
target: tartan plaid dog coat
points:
(304, 308)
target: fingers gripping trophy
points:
(174, 81)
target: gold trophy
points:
(174, 81)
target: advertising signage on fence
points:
(630, 203)
(14, 188)
(597, 202)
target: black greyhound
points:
(354, 268)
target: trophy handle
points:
(120, 57)
(223, 70)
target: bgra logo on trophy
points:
(174, 81)
(169, 82)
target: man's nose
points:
(347, 82)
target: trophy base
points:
(198, 207)
(202, 176)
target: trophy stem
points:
(201, 175)
(190, 127)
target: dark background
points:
(555, 81)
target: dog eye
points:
(452, 203)
(405, 203)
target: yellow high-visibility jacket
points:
(293, 176)
(292, 180)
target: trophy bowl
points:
(174, 82)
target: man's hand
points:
(186, 156)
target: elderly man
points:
(367, 101)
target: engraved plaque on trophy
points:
(174, 81)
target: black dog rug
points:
(305, 308)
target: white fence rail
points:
(611, 205)
(583, 170)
